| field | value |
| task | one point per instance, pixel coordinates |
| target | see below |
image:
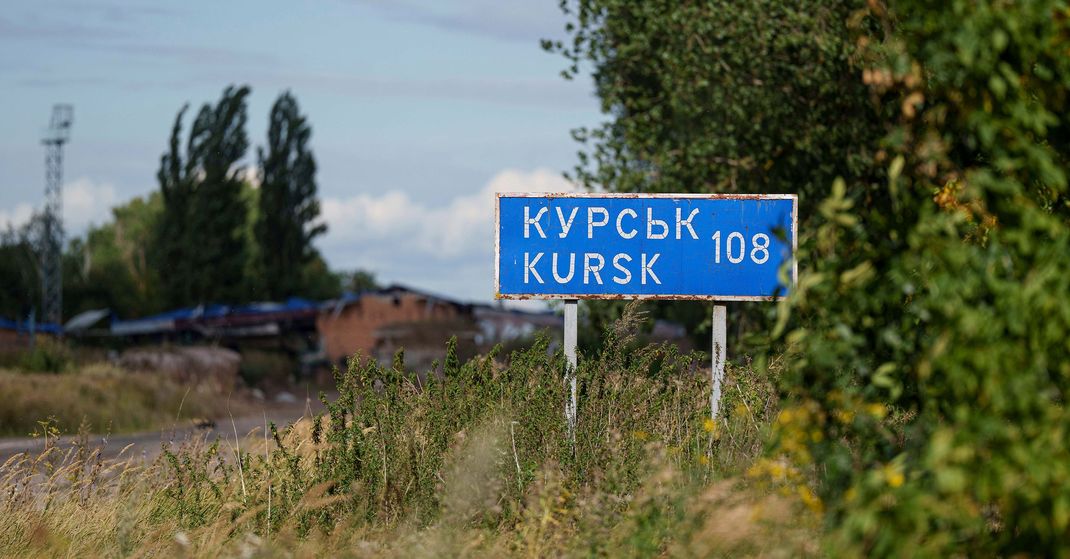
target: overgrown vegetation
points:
(926, 372)
(910, 400)
(102, 398)
(928, 340)
(477, 462)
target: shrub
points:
(475, 462)
(266, 367)
(46, 356)
(927, 372)
(103, 397)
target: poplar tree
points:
(201, 246)
(288, 208)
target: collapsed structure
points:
(371, 324)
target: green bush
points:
(46, 356)
(761, 96)
(928, 373)
(475, 463)
(266, 367)
(472, 446)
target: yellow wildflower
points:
(893, 475)
(877, 410)
(844, 416)
(813, 502)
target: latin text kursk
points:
(627, 224)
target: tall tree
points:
(171, 252)
(109, 267)
(719, 96)
(201, 241)
(288, 208)
(20, 283)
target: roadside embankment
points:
(106, 398)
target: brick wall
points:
(353, 328)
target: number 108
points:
(736, 248)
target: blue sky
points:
(420, 110)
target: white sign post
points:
(571, 319)
(720, 339)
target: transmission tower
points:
(59, 131)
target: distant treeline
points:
(215, 231)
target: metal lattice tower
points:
(59, 130)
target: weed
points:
(476, 461)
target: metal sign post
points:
(707, 247)
(720, 339)
(571, 319)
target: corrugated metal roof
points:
(85, 320)
(23, 326)
(217, 315)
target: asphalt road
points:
(148, 444)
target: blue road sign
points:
(654, 246)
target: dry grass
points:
(105, 398)
(77, 506)
(476, 464)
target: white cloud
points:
(446, 246)
(464, 226)
(16, 217)
(86, 202)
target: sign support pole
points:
(571, 307)
(720, 339)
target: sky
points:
(420, 110)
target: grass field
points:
(478, 464)
(105, 399)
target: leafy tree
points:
(288, 207)
(360, 280)
(20, 283)
(201, 242)
(110, 268)
(171, 245)
(719, 96)
(928, 338)
(319, 282)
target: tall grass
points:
(104, 397)
(477, 461)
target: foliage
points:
(360, 280)
(110, 267)
(201, 248)
(46, 356)
(719, 96)
(319, 281)
(288, 206)
(21, 286)
(928, 336)
(100, 396)
(475, 462)
(208, 235)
